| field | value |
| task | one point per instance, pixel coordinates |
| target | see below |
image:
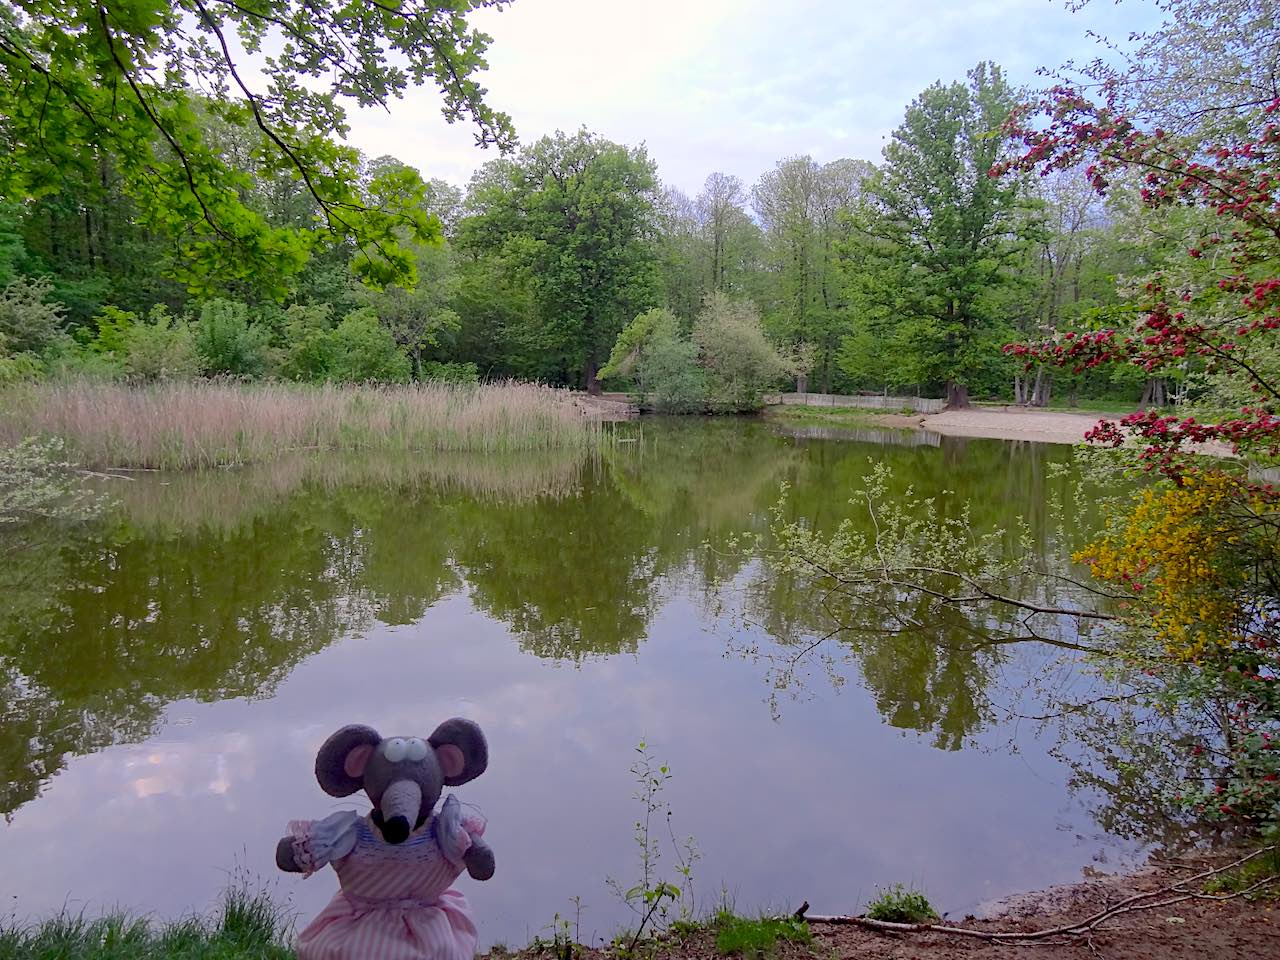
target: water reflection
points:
(267, 607)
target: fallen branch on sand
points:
(1164, 897)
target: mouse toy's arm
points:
(285, 859)
(313, 843)
(479, 859)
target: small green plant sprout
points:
(1255, 880)
(655, 899)
(897, 904)
(755, 939)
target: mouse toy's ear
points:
(341, 761)
(461, 749)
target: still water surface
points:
(165, 682)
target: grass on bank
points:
(898, 904)
(755, 938)
(193, 425)
(833, 416)
(248, 926)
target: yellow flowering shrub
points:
(1199, 557)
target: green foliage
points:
(364, 351)
(802, 206)
(418, 318)
(29, 322)
(117, 82)
(16, 367)
(755, 939)
(897, 904)
(161, 348)
(113, 327)
(573, 215)
(663, 364)
(357, 350)
(434, 370)
(648, 328)
(937, 237)
(671, 377)
(740, 362)
(226, 342)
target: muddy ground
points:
(1221, 929)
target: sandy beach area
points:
(1043, 426)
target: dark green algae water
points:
(165, 680)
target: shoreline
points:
(993, 423)
(1155, 921)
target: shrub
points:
(363, 351)
(28, 322)
(740, 362)
(16, 367)
(897, 904)
(672, 377)
(161, 349)
(226, 342)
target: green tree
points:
(801, 206)
(574, 214)
(417, 317)
(938, 232)
(120, 81)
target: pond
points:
(166, 680)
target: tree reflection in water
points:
(217, 585)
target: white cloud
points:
(735, 86)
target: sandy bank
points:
(1042, 426)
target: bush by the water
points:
(198, 424)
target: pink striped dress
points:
(395, 902)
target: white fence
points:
(873, 402)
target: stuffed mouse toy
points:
(395, 865)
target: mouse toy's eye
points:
(416, 749)
(395, 749)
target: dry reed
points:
(181, 426)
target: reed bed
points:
(201, 424)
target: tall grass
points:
(248, 927)
(180, 426)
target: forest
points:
(196, 235)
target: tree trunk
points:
(589, 381)
(1019, 391)
(957, 395)
(802, 383)
(1043, 387)
(1152, 393)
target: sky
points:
(734, 85)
